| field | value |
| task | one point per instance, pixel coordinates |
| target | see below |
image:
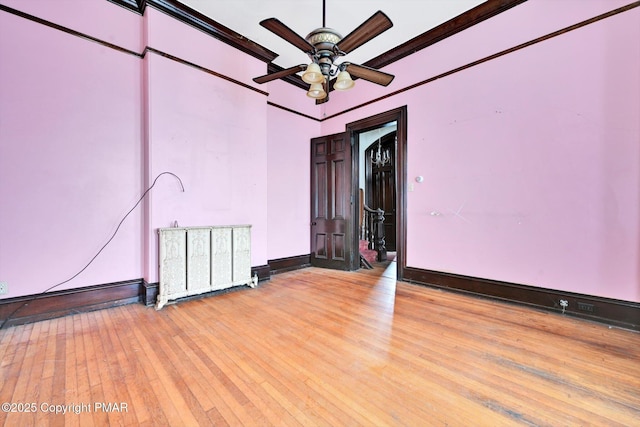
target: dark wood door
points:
(380, 172)
(331, 217)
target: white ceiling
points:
(410, 18)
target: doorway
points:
(355, 131)
(332, 163)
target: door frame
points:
(399, 115)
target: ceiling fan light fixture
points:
(313, 74)
(343, 81)
(316, 91)
(324, 46)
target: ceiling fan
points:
(324, 46)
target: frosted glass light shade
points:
(343, 81)
(316, 91)
(313, 74)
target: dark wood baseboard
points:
(281, 265)
(32, 308)
(153, 294)
(149, 293)
(150, 290)
(263, 272)
(624, 314)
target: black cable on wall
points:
(35, 297)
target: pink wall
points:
(288, 161)
(289, 182)
(166, 34)
(67, 174)
(86, 128)
(212, 134)
(209, 131)
(100, 19)
(531, 166)
(521, 24)
(531, 161)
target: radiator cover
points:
(196, 260)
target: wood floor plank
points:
(261, 372)
(211, 371)
(77, 389)
(297, 357)
(144, 373)
(368, 408)
(11, 367)
(70, 362)
(168, 408)
(319, 347)
(33, 365)
(120, 371)
(90, 375)
(100, 372)
(351, 356)
(177, 374)
(36, 385)
(25, 355)
(246, 379)
(128, 348)
(441, 362)
(552, 369)
(6, 345)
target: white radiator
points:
(195, 260)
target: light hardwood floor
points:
(320, 347)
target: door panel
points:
(320, 182)
(338, 181)
(331, 202)
(338, 245)
(321, 246)
(380, 191)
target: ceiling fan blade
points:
(370, 74)
(376, 25)
(280, 74)
(279, 29)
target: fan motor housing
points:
(324, 40)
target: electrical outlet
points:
(4, 288)
(583, 306)
(564, 304)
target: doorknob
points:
(313, 223)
